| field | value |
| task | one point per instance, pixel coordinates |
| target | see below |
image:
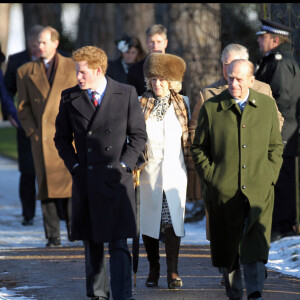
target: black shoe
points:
(27, 222)
(70, 238)
(53, 242)
(153, 276)
(275, 236)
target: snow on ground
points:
(284, 254)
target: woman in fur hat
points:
(164, 180)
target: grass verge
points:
(8, 142)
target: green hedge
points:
(8, 142)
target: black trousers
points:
(53, 211)
(284, 213)
(27, 184)
(97, 283)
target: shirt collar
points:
(101, 89)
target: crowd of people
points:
(83, 122)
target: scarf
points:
(147, 102)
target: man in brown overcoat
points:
(39, 85)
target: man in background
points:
(280, 70)
(157, 41)
(39, 85)
(27, 184)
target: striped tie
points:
(94, 98)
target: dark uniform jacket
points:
(103, 198)
(281, 71)
(238, 156)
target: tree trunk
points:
(194, 34)
(46, 14)
(4, 25)
(107, 21)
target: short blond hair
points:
(53, 33)
(94, 56)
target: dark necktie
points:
(94, 98)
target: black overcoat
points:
(281, 71)
(103, 192)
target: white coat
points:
(165, 171)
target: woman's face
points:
(131, 55)
(160, 86)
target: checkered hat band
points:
(274, 30)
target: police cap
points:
(273, 27)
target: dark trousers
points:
(254, 273)
(27, 185)
(284, 213)
(97, 283)
(53, 211)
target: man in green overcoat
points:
(237, 151)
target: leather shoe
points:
(27, 222)
(53, 242)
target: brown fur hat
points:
(167, 66)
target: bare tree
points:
(100, 24)
(4, 24)
(194, 34)
(42, 13)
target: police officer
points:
(280, 70)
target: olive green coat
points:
(238, 155)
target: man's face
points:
(157, 43)
(239, 80)
(227, 60)
(33, 47)
(86, 77)
(46, 46)
(266, 43)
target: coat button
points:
(243, 187)
(90, 133)
(109, 166)
(244, 146)
(244, 166)
(90, 167)
(107, 131)
(108, 148)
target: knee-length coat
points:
(238, 155)
(103, 198)
(37, 111)
(166, 171)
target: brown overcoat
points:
(38, 106)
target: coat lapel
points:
(83, 104)
(39, 79)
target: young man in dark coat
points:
(109, 134)
(280, 70)
(239, 164)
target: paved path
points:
(42, 274)
(59, 274)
